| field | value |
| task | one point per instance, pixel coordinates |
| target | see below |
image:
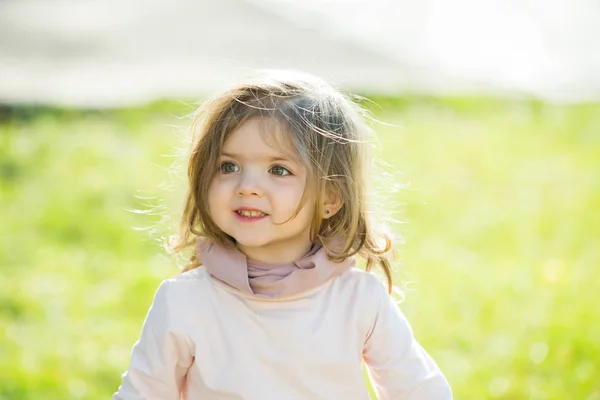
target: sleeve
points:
(163, 354)
(399, 368)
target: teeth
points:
(251, 214)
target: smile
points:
(250, 214)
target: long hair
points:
(329, 133)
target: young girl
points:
(271, 305)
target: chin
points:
(251, 242)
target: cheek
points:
(291, 200)
(288, 196)
(215, 196)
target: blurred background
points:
(491, 114)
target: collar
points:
(230, 266)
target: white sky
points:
(120, 51)
(548, 47)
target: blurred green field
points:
(501, 221)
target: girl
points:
(276, 213)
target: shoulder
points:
(362, 285)
(363, 280)
(196, 276)
(191, 278)
(183, 289)
(179, 301)
(361, 294)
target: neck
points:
(275, 254)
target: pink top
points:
(212, 333)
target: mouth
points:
(249, 213)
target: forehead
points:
(261, 137)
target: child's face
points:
(256, 189)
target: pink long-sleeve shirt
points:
(203, 339)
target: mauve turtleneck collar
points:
(230, 266)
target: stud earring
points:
(326, 211)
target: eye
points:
(228, 167)
(279, 170)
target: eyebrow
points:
(270, 158)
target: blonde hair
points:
(332, 140)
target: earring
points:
(326, 211)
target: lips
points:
(250, 213)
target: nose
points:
(250, 184)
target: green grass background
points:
(500, 212)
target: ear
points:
(332, 204)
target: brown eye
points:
(228, 167)
(279, 170)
